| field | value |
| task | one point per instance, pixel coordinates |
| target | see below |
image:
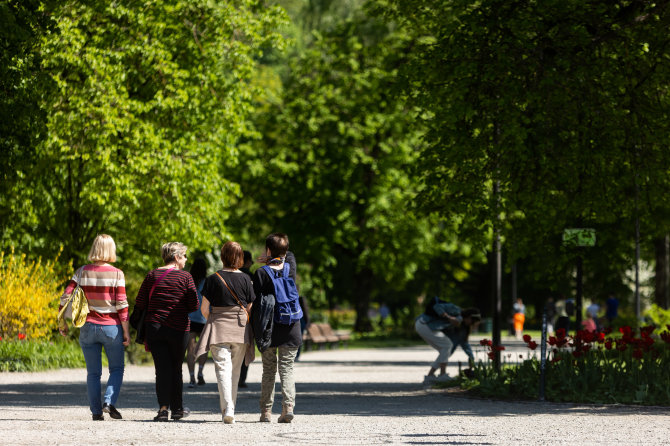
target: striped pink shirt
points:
(105, 289)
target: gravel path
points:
(345, 397)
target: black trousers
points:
(243, 374)
(167, 348)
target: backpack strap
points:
(234, 295)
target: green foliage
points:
(142, 123)
(340, 148)
(563, 104)
(659, 317)
(32, 356)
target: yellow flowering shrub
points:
(29, 296)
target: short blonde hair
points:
(170, 251)
(103, 249)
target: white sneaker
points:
(229, 417)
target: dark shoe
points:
(181, 413)
(201, 381)
(192, 383)
(162, 415)
(111, 410)
(242, 385)
(98, 417)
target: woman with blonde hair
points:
(226, 302)
(169, 294)
(106, 324)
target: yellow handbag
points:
(75, 307)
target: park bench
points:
(331, 336)
(322, 334)
(313, 337)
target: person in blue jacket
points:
(438, 326)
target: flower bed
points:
(594, 367)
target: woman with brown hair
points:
(226, 302)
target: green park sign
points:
(579, 237)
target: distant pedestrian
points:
(169, 294)
(384, 313)
(592, 311)
(199, 273)
(550, 311)
(519, 317)
(612, 308)
(106, 324)
(246, 269)
(304, 321)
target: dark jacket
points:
(262, 320)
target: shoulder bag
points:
(136, 319)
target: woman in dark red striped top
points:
(171, 296)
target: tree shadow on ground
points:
(356, 399)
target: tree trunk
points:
(362, 290)
(662, 291)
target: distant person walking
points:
(612, 308)
(519, 317)
(106, 324)
(169, 294)
(246, 269)
(227, 299)
(550, 311)
(199, 273)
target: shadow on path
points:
(356, 399)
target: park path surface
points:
(345, 397)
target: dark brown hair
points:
(277, 243)
(232, 255)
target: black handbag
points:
(137, 317)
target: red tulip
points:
(486, 342)
(526, 338)
(532, 345)
(21, 336)
(608, 344)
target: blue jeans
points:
(92, 337)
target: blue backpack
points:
(287, 305)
